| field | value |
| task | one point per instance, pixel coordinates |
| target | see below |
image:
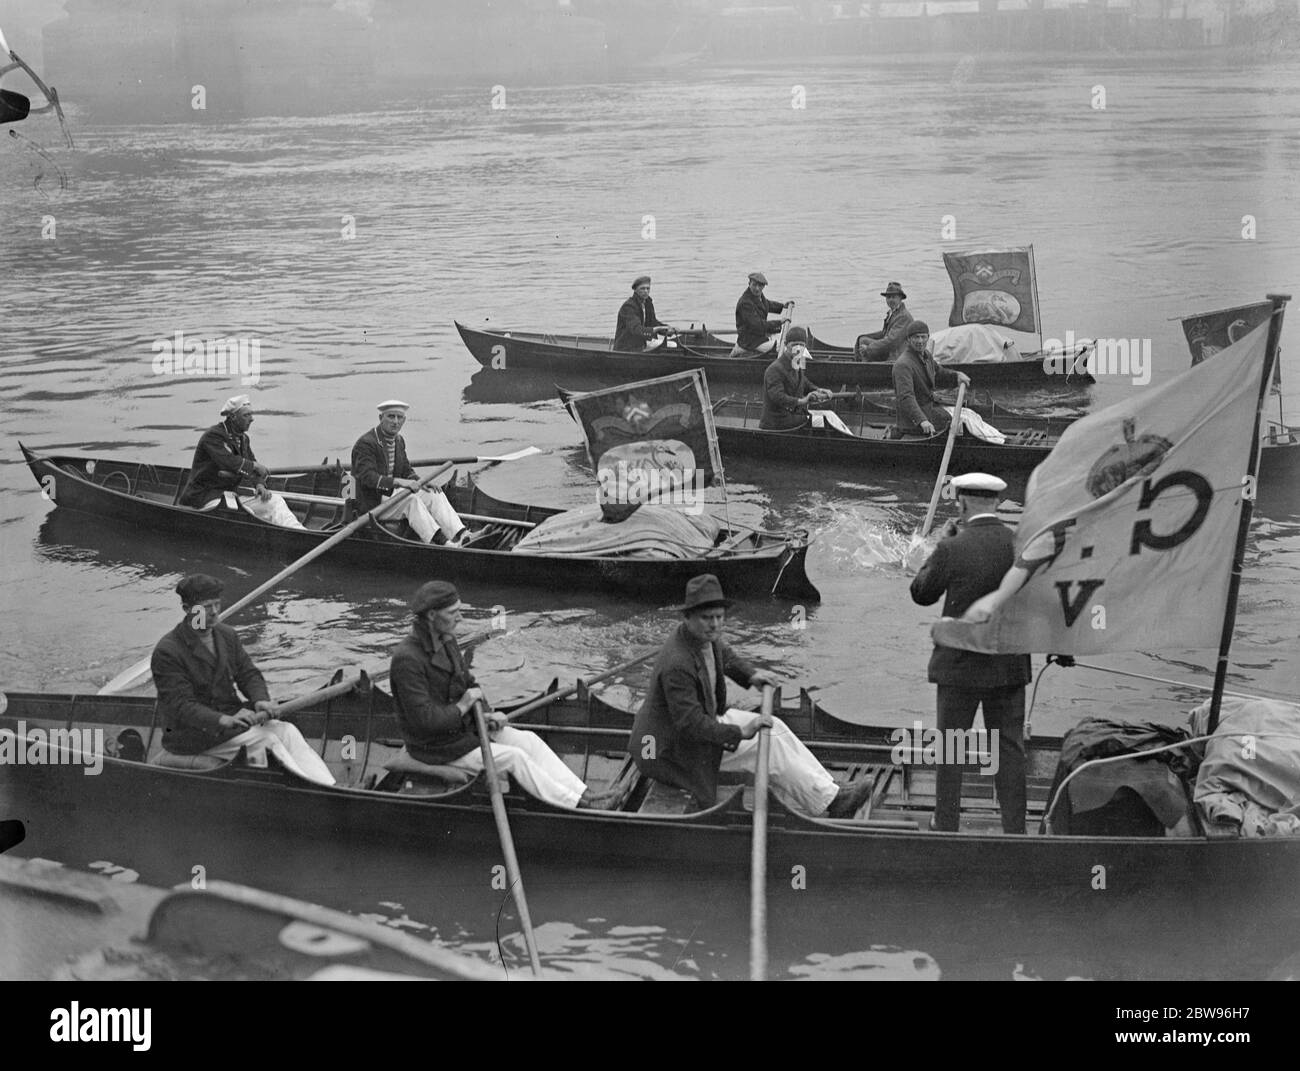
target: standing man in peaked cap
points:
(970, 561)
(754, 330)
(638, 327)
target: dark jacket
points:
(752, 324)
(783, 386)
(890, 341)
(427, 680)
(635, 324)
(370, 469)
(915, 379)
(195, 688)
(222, 461)
(964, 567)
(676, 737)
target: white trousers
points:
(798, 780)
(762, 347)
(529, 760)
(285, 742)
(427, 513)
(275, 510)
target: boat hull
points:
(775, 566)
(562, 355)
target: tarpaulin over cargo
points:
(973, 344)
(1250, 776)
(651, 532)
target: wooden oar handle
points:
(553, 697)
(758, 850)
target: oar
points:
(552, 697)
(302, 470)
(136, 674)
(918, 538)
(507, 841)
(758, 851)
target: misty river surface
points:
(539, 215)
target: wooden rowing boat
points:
(166, 812)
(562, 355)
(748, 563)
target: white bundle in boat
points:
(653, 531)
(972, 344)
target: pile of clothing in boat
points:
(650, 531)
(1245, 779)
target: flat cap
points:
(639, 280)
(758, 277)
(199, 588)
(978, 483)
(435, 595)
(918, 327)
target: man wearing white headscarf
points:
(380, 466)
(224, 461)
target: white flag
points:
(1130, 524)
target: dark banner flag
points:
(996, 286)
(657, 434)
(1209, 332)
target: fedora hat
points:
(701, 591)
(893, 290)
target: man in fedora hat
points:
(684, 733)
(638, 327)
(916, 375)
(754, 330)
(435, 693)
(969, 562)
(200, 670)
(787, 391)
(889, 342)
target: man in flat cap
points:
(970, 561)
(638, 327)
(888, 343)
(754, 330)
(200, 670)
(787, 391)
(685, 734)
(916, 375)
(380, 465)
(224, 462)
(435, 694)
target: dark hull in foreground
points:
(749, 564)
(561, 355)
(133, 811)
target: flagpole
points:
(1247, 504)
(1038, 305)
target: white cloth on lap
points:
(285, 742)
(274, 510)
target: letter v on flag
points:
(1135, 511)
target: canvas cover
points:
(1250, 776)
(651, 532)
(972, 344)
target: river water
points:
(539, 214)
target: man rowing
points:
(916, 375)
(638, 327)
(787, 391)
(970, 562)
(380, 466)
(888, 343)
(200, 670)
(754, 330)
(224, 461)
(685, 734)
(435, 693)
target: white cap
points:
(393, 403)
(978, 483)
(239, 401)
